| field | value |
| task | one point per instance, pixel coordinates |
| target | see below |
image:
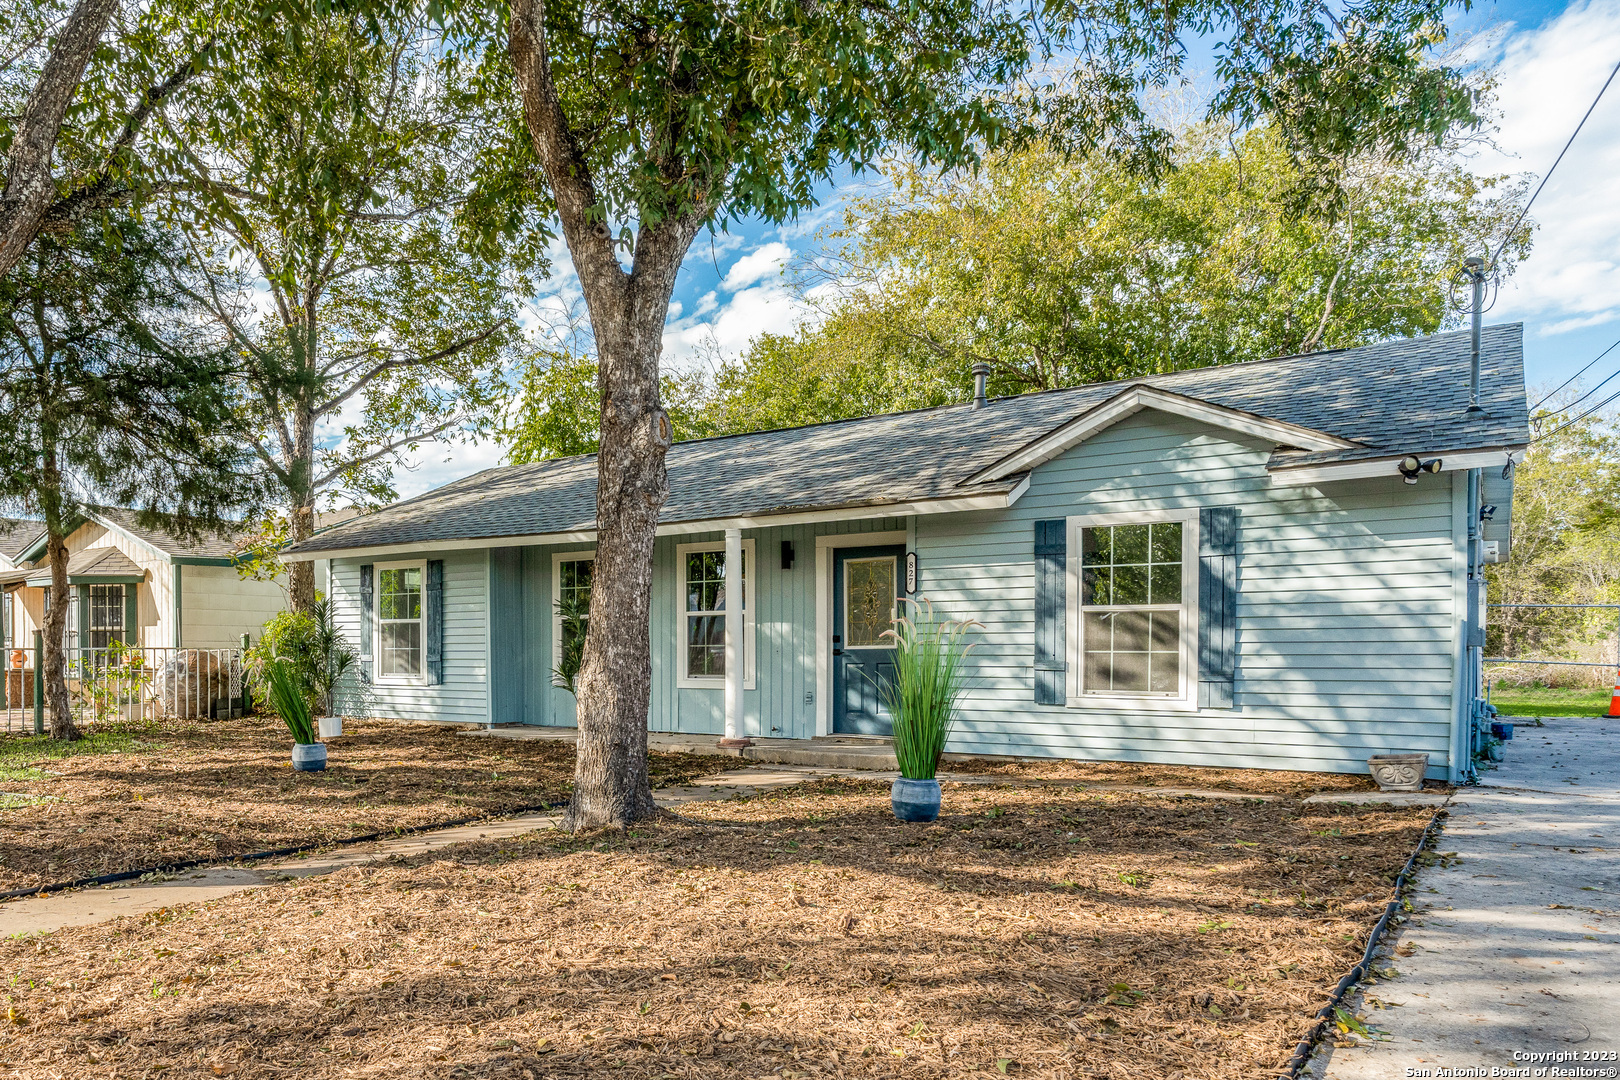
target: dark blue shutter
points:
(1051, 614)
(1217, 605)
(368, 627)
(433, 604)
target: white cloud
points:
(1548, 76)
(438, 463)
(759, 264)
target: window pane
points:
(1130, 585)
(1130, 672)
(1166, 584)
(400, 593)
(705, 645)
(1131, 652)
(1094, 546)
(1167, 542)
(1096, 585)
(706, 581)
(1130, 631)
(1130, 544)
(401, 648)
(869, 593)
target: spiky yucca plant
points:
(929, 675)
(290, 699)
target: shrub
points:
(311, 643)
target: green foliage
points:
(744, 110)
(118, 675)
(289, 698)
(558, 408)
(110, 391)
(1062, 271)
(328, 161)
(310, 646)
(574, 614)
(1565, 550)
(929, 676)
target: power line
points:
(1588, 394)
(1561, 153)
(1600, 405)
(1578, 374)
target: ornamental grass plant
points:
(289, 697)
(929, 676)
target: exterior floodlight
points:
(1411, 467)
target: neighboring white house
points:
(135, 585)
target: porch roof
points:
(91, 566)
(1363, 407)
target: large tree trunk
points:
(30, 188)
(627, 310)
(301, 575)
(56, 691)
(611, 787)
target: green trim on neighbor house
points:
(203, 560)
(44, 580)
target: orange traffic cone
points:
(1614, 699)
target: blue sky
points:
(1550, 60)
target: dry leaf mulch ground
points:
(1137, 774)
(1030, 932)
(182, 790)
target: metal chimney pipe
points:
(981, 371)
(1476, 271)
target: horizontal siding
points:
(464, 694)
(1345, 615)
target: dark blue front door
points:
(866, 585)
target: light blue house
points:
(1232, 566)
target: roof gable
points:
(1134, 399)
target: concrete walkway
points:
(79, 907)
(1514, 947)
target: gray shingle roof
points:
(1392, 398)
(206, 546)
(17, 535)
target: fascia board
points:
(1452, 461)
(1133, 400)
(992, 501)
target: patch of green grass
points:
(1549, 701)
(20, 755)
(11, 800)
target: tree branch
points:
(360, 384)
(583, 216)
(30, 188)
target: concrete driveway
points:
(1512, 957)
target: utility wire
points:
(1575, 376)
(1509, 236)
(1600, 405)
(1576, 403)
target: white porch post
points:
(734, 640)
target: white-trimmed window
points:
(571, 573)
(1133, 610)
(705, 600)
(401, 622)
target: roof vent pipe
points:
(1475, 268)
(981, 371)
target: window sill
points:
(689, 683)
(396, 680)
(1103, 703)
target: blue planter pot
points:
(915, 800)
(309, 757)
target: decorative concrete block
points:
(1398, 772)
